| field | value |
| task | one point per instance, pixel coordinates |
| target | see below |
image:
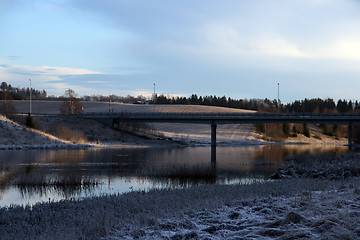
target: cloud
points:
(55, 80)
(95, 81)
(53, 73)
(49, 78)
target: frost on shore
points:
(330, 214)
(283, 209)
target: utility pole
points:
(278, 97)
(30, 97)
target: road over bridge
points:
(214, 119)
(230, 118)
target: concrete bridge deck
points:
(227, 118)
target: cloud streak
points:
(43, 76)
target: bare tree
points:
(71, 104)
(6, 106)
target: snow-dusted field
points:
(54, 106)
(16, 136)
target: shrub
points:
(294, 131)
(286, 129)
(328, 129)
(272, 131)
(29, 121)
(306, 130)
(356, 134)
(71, 135)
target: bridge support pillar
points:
(213, 143)
(350, 135)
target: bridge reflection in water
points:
(214, 119)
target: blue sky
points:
(237, 48)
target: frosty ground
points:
(305, 206)
(16, 136)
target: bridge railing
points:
(197, 114)
(207, 114)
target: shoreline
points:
(258, 209)
(174, 144)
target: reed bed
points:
(68, 185)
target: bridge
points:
(214, 119)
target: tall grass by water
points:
(68, 184)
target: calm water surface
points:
(23, 173)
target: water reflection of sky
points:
(116, 170)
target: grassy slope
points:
(15, 134)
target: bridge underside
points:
(115, 123)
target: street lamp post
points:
(154, 97)
(278, 97)
(30, 97)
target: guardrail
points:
(198, 114)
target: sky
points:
(236, 48)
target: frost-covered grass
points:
(324, 214)
(275, 209)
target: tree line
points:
(317, 105)
(8, 92)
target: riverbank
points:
(298, 207)
(86, 131)
(15, 136)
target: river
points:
(32, 176)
